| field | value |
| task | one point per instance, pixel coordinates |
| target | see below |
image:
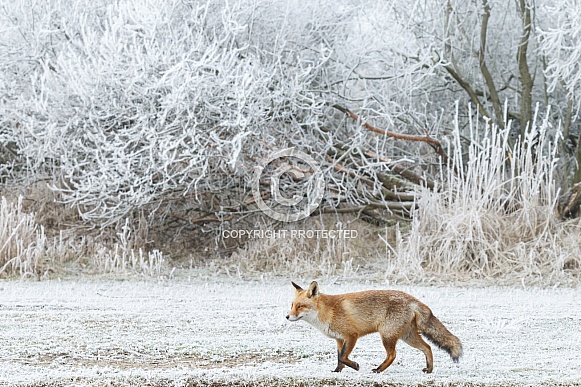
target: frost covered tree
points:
(420, 57)
(559, 44)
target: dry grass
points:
(357, 251)
(124, 257)
(22, 241)
(494, 220)
(27, 252)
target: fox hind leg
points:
(413, 338)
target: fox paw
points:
(338, 369)
(427, 370)
(376, 370)
(356, 366)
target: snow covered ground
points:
(105, 332)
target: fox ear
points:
(313, 289)
(297, 287)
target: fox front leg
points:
(340, 365)
(346, 349)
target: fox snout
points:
(292, 318)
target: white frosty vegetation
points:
(560, 44)
(492, 217)
(22, 241)
(153, 115)
(27, 252)
(140, 103)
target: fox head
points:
(303, 305)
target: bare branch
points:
(466, 86)
(435, 144)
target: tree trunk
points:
(526, 112)
(577, 174)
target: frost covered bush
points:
(141, 104)
(166, 107)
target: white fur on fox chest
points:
(312, 318)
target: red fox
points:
(394, 314)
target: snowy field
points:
(220, 333)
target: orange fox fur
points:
(394, 314)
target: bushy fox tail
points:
(437, 333)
